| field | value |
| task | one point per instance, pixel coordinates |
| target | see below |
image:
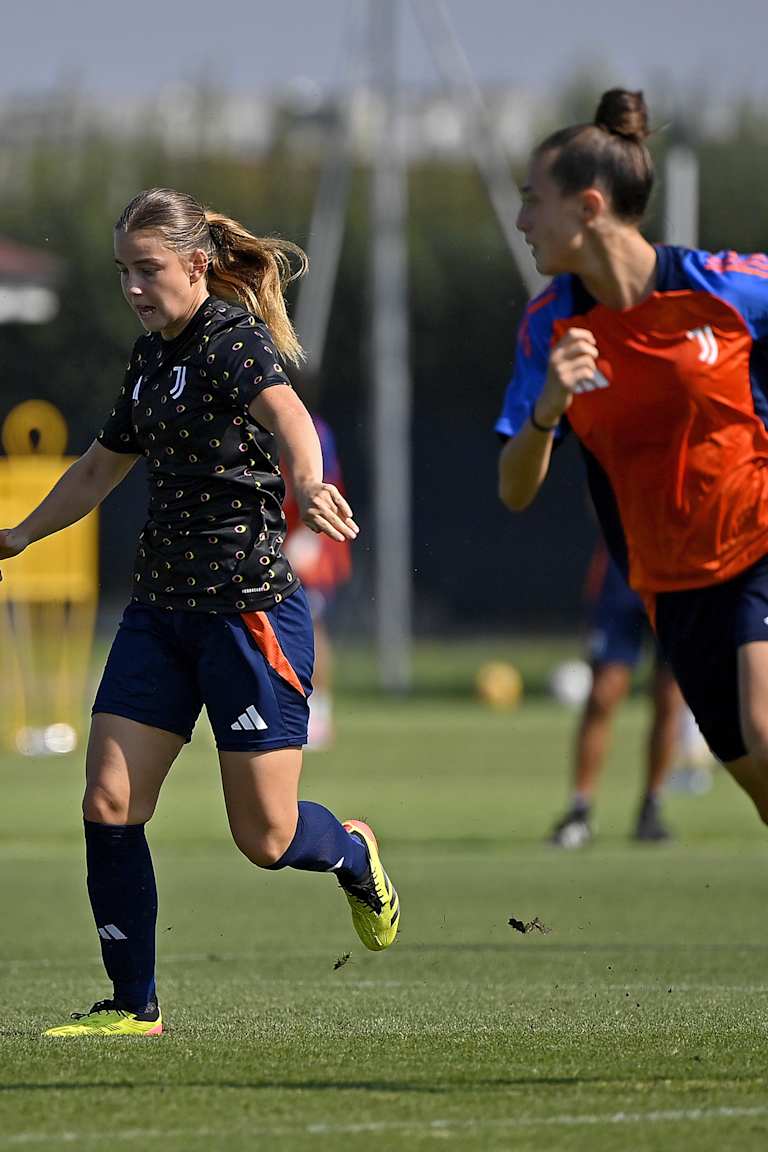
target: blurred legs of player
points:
(618, 627)
(610, 685)
(693, 771)
(320, 731)
(662, 743)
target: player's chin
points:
(152, 319)
(543, 263)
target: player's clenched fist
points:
(572, 361)
(324, 509)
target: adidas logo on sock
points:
(111, 932)
(249, 720)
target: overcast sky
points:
(143, 45)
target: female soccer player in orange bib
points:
(217, 617)
(656, 357)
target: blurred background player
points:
(618, 628)
(322, 565)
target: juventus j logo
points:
(181, 380)
(708, 349)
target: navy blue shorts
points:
(253, 673)
(618, 624)
(700, 631)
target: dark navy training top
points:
(213, 538)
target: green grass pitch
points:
(639, 1022)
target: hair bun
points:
(624, 114)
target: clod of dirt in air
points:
(340, 961)
(534, 925)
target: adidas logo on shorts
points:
(249, 720)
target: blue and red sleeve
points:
(534, 337)
(740, 280)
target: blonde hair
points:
(251, 270)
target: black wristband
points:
(540, 427)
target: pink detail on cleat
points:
(361, 827)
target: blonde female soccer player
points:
(656, 357)
(217, 617)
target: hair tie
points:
(218, 235)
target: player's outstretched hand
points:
(324, 509)
(11, 543)
(572, 361)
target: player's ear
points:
(198, 265)
(593, 205)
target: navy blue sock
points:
(121, 886)
(321, 844)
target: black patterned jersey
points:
(212, 542)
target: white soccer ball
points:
(59, 738)
(571, 682)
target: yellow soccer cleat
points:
(374, 902)
(106, 1019)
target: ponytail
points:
(255, 271)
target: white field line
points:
(438, 1127)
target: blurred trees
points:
(63, 192)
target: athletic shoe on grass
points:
(573, 831)
(105, 1018)
(650, 827)
(374, 901)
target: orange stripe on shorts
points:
(260, 628)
